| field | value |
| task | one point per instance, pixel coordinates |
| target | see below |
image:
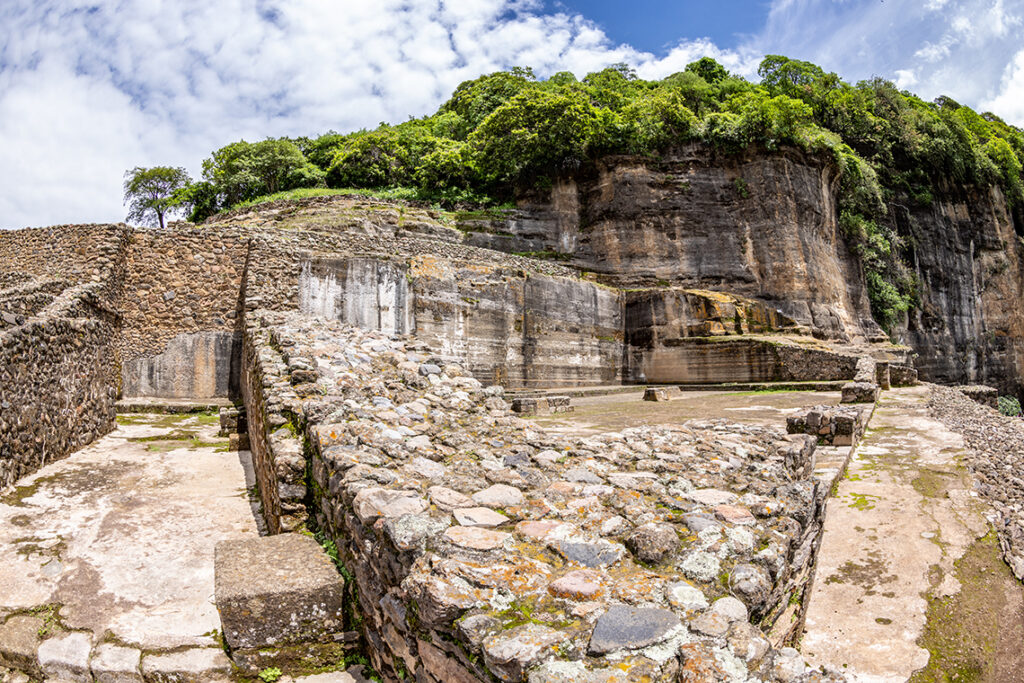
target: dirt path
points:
(118, 539)
(908, 577)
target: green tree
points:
(242, 170)
(152, 193)
(708, 69)
(534, 136)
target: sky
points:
(89, 89)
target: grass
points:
(399, 193)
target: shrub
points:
(1010, 406)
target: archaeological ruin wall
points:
(58, 360)
(477, 545)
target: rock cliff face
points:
(969, 260)
(759, 225)
(764, 225)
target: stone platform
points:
(106, 557)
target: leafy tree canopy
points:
(151, 193)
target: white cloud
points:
(89, 88)
(1009, 102)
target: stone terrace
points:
(481, 545)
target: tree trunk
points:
(160, 215)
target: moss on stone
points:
(964, 632)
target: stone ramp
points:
(896, 533)
(107, 557)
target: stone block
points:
(902, 375)
(654, 394)
(559, 404)
(67, 657)
(859, 392)
(525, 406)
(197, 665)
(296, 596)
(19, 640)
(238, 441)
(882, 375)
(115, 664)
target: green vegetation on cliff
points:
(508, 132)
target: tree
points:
(153, 192)
(708, 69)
(244, 170)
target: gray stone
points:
(594, 554)
(373, 503)
(429, 369)
(499, 496)
(115, 664)
(410, 532)
(197, 665)
(682, 595)
(67, 657)
(698, 522)
(710, 624)
(297, 594)
(730, 608)
(479, 517)
(653, 543)
(747, 642)
(623, 627)
(582, 475)
(751, 584)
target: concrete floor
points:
(902, 518)
(595, 414)
(121, 534)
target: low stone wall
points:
(864, 387)
(713, 360)
(58, 390)
(979, 393)
(831, 425)
(480, 547)
(272, 412)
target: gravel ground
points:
(997, 457)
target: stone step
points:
(149, 404)
(281, 602)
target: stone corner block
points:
(19, 640)
(116, 664)
(197, 665)
(296, 595)
(67, 656)
(653, 394)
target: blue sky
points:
(90, 88)
(657, 26)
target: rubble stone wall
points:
(182, 290)
(58, 382)
(481, 547)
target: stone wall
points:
(271, 416)
(480, 547)
(182, 291)
(58, 382)
(76, 253)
